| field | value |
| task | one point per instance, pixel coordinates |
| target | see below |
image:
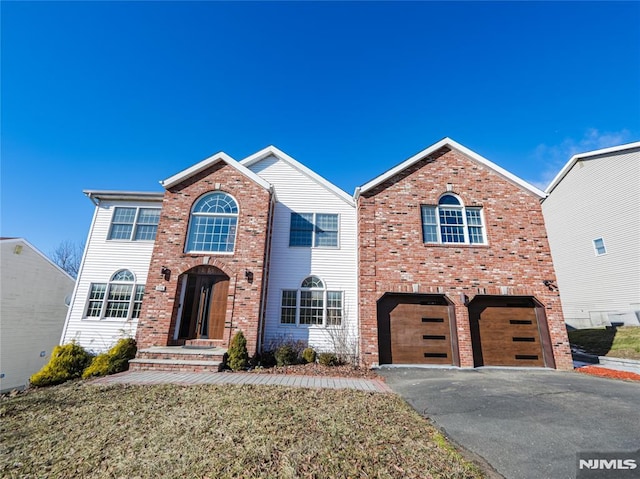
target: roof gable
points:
(208, 162)
(448, 142)
(581, 156)
(38, 253)
(273, 151)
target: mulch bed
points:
(609, 373)
(345, 371)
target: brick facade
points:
(160, 306)
(393, 257)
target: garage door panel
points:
(420, 334)
(509, 336)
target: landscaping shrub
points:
(286, 355)
(67, 362)
(266, 359)
(328, 359)
(309, 355)
(113, 361)
(238, 354)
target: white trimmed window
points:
(319, 230)
(134, 224)
(120, 298)
(599, 247)
(451, 222)
(311, 304)
(213, 223)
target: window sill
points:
(456, 245)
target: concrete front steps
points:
(178, 359)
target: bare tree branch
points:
(68, 256)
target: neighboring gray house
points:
(34, 296)
(592, 214)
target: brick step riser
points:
(179, 357)
(176, 368)
(216, 343)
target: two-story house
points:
(441, 260)
(591, 213)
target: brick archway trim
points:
(188, 263)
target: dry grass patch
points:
(81, 430)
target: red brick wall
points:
(159, 308)
(393, 257)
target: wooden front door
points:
(204, 307)
(420, 334)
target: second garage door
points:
(506, 336)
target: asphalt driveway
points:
(525, 423)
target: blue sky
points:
(119, 95)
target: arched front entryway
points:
(202, 309)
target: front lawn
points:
(168, 431)
(621, 342)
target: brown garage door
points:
(420, 334)
(509, 336)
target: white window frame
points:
(313, 230)
(465, 224)
(134, 225)
(325, 307)
(596, 249)
(136, 288)
(213, 215)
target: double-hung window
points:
(134, 224)
(120, 298)
(311, 304)
(316, 230)
(599, 247)
(450, 222)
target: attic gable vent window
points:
(450, 222)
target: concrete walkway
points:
(186, 379)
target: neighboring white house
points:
(108, 294)
(300, 257)
(592, 214)
(33, 305)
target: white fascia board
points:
(580, 156)
(272, 150)
(457, 146)
(97, 195)
(212, 160)
(38, 252)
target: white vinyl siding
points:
(336, 266)
(103, 258)
(578, 211)
(32, 311)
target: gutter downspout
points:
(265, 274)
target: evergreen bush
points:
(238, 354)
(113, 361)
(328, 359)
(286, 355)
(309, 355)
(67, 362)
